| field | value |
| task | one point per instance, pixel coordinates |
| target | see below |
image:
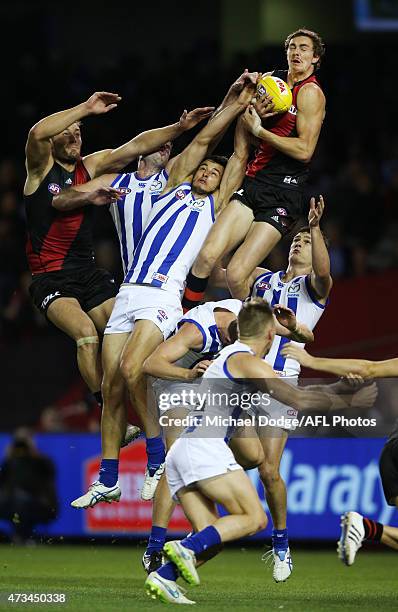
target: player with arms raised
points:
(269, 201)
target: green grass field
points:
(110, 578)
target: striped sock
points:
(194, 291)
(373, 529)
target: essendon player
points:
(66, 286)
(270, 199)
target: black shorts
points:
(388, 465)
(90, 286)
(279, 207)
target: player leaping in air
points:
(269, 201)
(148, 305)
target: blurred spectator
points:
(27, 488)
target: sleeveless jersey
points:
(269, 165)
(176, 229)
(58, 240)
(221, 391)
(130, 213)
(203, 317)
(298, 295)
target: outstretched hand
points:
(104, 196)
(251, 120)
(188, 120)
(102, 102)
(292, 351)
(246, 78)
(316, 211)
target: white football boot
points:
(185, 560)
(352, 536)
(151, 482)
(282, 562)
(166, 591)
(98, 493)
(132, 433)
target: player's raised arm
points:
(342, 367)
(310, 114)
(38, 145)
(146, 142)
(196, 151)
(161, 363)
(235, 169)
(96, 192)
(246, 78)
(321, 281)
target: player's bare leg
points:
(145, 337)
(163, 504)
(275, 493)
(68, 316)
(226, 234)
(247, 448)
(259, 242)
(114, 413)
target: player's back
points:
(176, 229)
(130, 214)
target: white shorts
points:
(193, 459)
(136, 302)
(283, 413)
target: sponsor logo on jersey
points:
(197, 205)
(294, 288)
(141, 184)
(280, 284)
(162, 316)
(275, 218)
(124, 190)
(180, 194)
(282, 211)
(292, 110)
(156, 186)
(54, 189)
(160, 277)
(263, 285)
(49, 297)
(292, 412)
(290, 180)
(68, 181)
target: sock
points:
(168, 571)
(98, 398)
(373, 529)
(109, 472)
(280, 539)
(155, 452)
(194, 291)
(156, 539)
(202, 540)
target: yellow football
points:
(278, 89)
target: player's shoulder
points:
(311, 93)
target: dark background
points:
(162, 58)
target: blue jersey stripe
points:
(178, 246)
(138, 249)
(280, 361)
(120, 207)
(157, 244)
(137, 217)
(216, 342)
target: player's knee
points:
(258, 521)
(269, 474)
(87, 337)
(234, 275)
(111, 390)
(131, 370)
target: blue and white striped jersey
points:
(130, 213)
(298, 295)
(176, 229)
(203, 317)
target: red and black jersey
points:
(58, 240)
(270, 165)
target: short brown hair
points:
(217, 159)
(307, 230)
(255, 314)
(318, 44)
